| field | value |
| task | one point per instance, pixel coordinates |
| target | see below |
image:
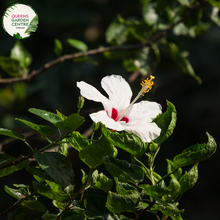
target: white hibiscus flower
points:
(118, 113)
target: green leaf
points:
(5, 159)
(124, 171)
(50, 193)
(14, 193)
(19, 53)
(78, 141)
(174, 188)
(149, 14)
(121, 203)
(174, 52)
(57, 166)
(49, 216)
(33, 25)
(100, 181)
(167, 209)
(147, 59)
(171, 168)
(130, 64)
(48, 116)
(157, 190)
(63, 148)
(78, 44)
(11, 169)
(71, 123)
(35, 205)
(128, 142)
(58, 48)
(177, 217)
(93, 154)
(37, 171)
(186, 2)
(95, 207)
(188, 180)
(214, 3)
(13, 134)
(196, 153)
(44, 130)
(62, 116)
(116, 33)
(10, 66)
(127, 189)
(68, 124)
(167, 122)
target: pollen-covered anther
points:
(147, 85)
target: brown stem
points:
(83, 189)
(100, 50)
(14, 205)
(146, 209)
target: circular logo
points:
(20, 21)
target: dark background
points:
(197, 105)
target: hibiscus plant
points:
(112, 187)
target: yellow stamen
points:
(146, 87)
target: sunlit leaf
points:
(94, 154)
(120, 203)
(19, 53)
(13, 134)
(58, 48)
(44, 130)
(78, 141)
(149, 14)
(167, 122)
(49, 193)
(116, 33)
(196, 153)
(188, 180)
(171, 167)
(128, 142)
(13, 168)
(124, 171)
(78, 44)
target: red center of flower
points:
(115, 115)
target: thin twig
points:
(146, 209)
(81, 191)
(101, 50)
(10, 140)
(15, 205)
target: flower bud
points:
(80, 103)
(95, 126)
(153, 146)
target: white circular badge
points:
(20, 21)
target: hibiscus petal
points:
(118, 90)
(102, 116)
(91, 93)
(146, 131)
(143, 110)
